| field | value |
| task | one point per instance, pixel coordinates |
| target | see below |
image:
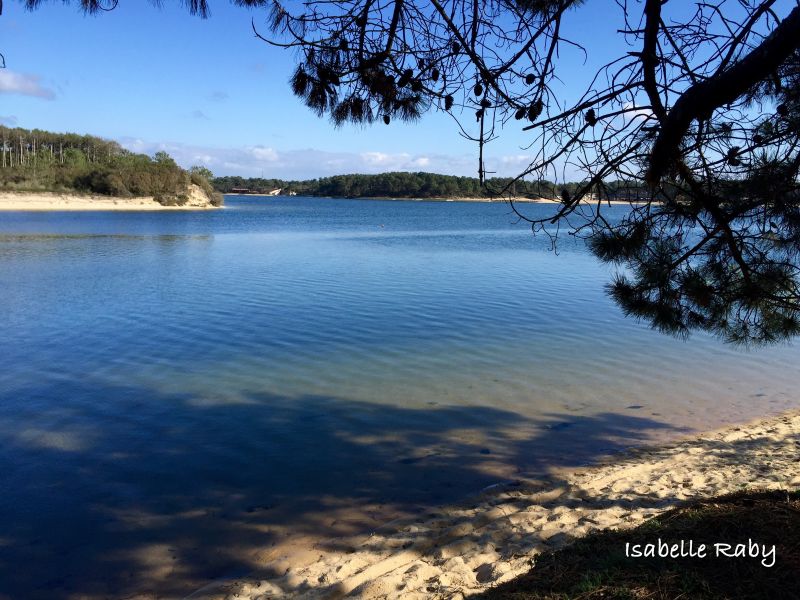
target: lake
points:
(180, 393)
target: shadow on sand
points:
(116, 491)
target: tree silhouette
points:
(700, 119)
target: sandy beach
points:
(455, 551)
(50, 201)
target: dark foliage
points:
(415, 185)
(394, 185)
(596, 567)
(36, 160)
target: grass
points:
(596, 567)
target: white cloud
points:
(255, 161)
(637, 113)
(266, 154)
(381, 159)
(9, 121)
(199, 114)
(336, 163)
(23, 84)
(397, 162)
(202, 159)
(519, 160)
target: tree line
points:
(37, 160)
(417, 185)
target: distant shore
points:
(460, 550)
(54, 201)
(66, 201)
(522, 199)
(518, 199)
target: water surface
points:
(180, 391)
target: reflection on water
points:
(180, 391)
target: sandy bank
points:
(461, 550)
(517, 199)
(50, 201)
(523, 200)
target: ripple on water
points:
(280, 353)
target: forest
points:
(412, 185)
(36, 160)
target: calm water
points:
(180, 391)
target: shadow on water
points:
(120, 490)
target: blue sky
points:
(208, 92)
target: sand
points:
(459, 550)
(50, 201)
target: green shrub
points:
(65, 161)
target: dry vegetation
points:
(596, 567)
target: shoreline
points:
(74, 202)
(65, 201)
(485, 199)
(491, 538)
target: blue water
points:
(180, 391)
